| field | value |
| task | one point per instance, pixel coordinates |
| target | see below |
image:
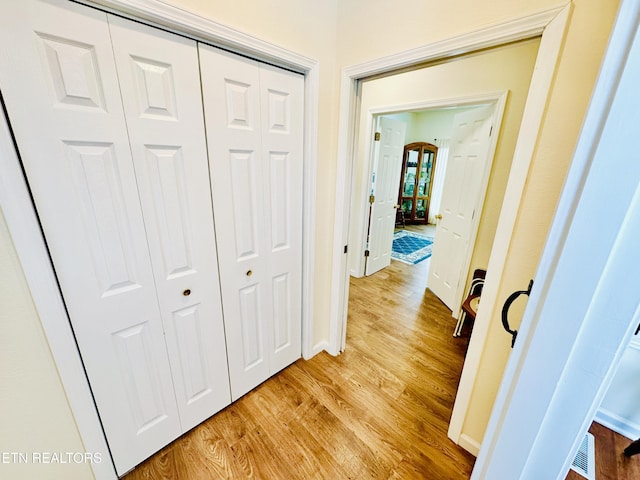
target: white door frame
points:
(499, 100)
(552, 24)
(24, 227)
(582, 312)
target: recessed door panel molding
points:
(251, 323)
(73, 142)
(155, 88)
(240, 104)
(244, 202)
(269, 189)
(97, 184)
(168, 145)
(280, 202)
(279, 119)
(282, 331)
(133, 347)
(73, 70)
(192, 349)
(166, 170)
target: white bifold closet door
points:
(254, 118)
(160, 84)
(126, 211)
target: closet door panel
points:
(254, 117)
(282, 96)
(231, 94)
(61, 90)
(160, 83)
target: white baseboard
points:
(618, 424)
(469, 444)
(316, 349)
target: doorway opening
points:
(450, 87)
(405, 203)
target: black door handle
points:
(505, 311)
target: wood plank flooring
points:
(380, 410)
(611, 464)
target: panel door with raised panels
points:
(160, 84)
(61, 90)
(467, 159)
(253, 116)
(281, 95)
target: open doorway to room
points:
(422, 196)
(505, 70)
(438, 103)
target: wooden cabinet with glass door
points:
(417, 179)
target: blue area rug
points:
(409, 247)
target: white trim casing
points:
(499, 34)
(584, 307)
(24, 228)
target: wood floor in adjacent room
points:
(611, 464)
(380, 410)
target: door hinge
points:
(346, 248)
(376, 137)
(372, 198)
(366, 253)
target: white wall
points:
(620, 409)
(34, 414)
(429, 125)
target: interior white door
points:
(387, 169)
(160, 84)
(61, 90)
(468, 155)
(254, 118)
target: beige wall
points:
(374, 28)
(505, 68)
(34, 413)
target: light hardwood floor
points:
(380, 410)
